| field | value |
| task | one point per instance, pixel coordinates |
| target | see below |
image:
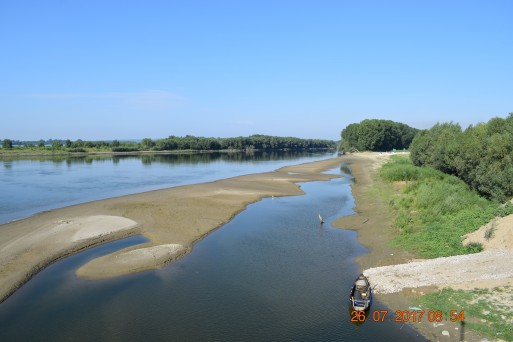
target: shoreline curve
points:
(172, 217)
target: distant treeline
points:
(481, 155)
(376, 135)
(253, 142)
(172, 143)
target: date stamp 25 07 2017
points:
(405, 316)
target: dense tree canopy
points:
(173, 143)
(481, 155)
(377, 135)
(253, 142)
(7, 143)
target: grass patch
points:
(434, 210)
(484, 310)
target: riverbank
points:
(62, 153)
(20, 153)
(373, 223)
(373, 220)
(389, 268)
(172, 219)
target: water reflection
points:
(174, 158)
(57, 181)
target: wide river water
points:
(33, 185)
(273, 273)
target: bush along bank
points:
(433, 210)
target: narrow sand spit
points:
(172, 219)
(23, 252)
(131, 261)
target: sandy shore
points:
(373, 221)
(172, 219)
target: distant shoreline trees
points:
(253, 142)
(174, 143)
(377, 135)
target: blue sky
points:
(133, 69)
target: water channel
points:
(273, 273)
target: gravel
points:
(488, 265)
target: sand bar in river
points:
(172, 219)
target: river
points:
(273, 273)
(32, 185)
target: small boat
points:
(361, 294)
(321, 219)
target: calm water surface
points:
(33, 185)
(271, 274)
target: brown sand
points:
(372, 220)
(173, 219)
(497, 234)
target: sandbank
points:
(172, 219)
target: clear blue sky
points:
(134, 69)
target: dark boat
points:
(361, 294)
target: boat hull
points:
(361, 294)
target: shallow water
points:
(33, 185)
(271, 274)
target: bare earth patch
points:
(464, 270)
(494, 235)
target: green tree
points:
(7, 144)
(481, 155)
(259, 142)
(147, 143)
(437, 147)
(56, 145)
(41, 143)
(377, 135)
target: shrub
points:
(76, 150)
(444, 208)
(124, 149)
